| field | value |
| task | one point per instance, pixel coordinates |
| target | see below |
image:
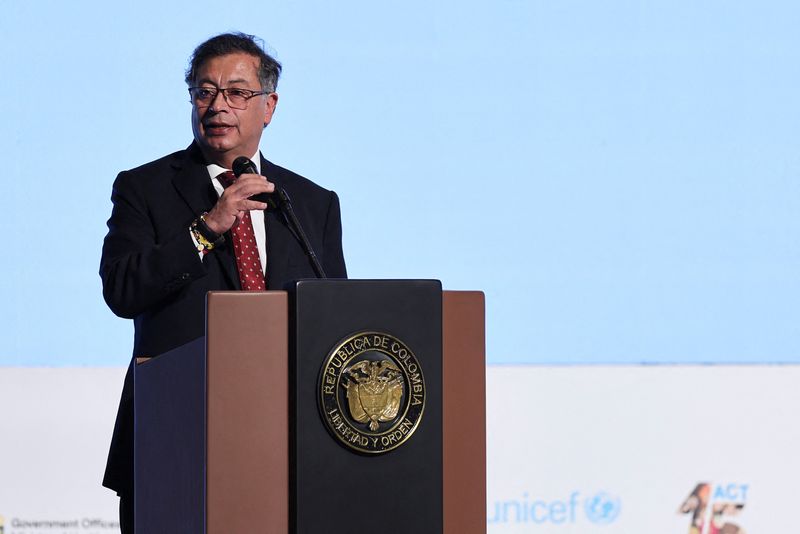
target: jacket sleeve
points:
(139, 267)
(333, 259)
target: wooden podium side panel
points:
(247, 477)
(464, 412)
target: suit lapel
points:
(193, 184)
(191, 181)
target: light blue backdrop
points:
(620, 178)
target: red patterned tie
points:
(244, 246)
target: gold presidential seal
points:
(372, 392)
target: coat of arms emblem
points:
(372, 392)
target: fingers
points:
(234, 202)
(239, 217)
(250, 184)
(256, 177)
(247, 205)
(230, 207)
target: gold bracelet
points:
(203, 244)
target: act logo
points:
(709, 505)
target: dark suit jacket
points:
(152, 273)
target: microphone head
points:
(243, 165)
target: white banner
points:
(56, 428)
(643, 449)
(577, 449)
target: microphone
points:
(243, 165)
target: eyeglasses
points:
(236, 98)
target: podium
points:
(339, 406)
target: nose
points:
(219, 102)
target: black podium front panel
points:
(169, 452)
(366, 390)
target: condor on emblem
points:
(372, 392)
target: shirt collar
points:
(215, 170)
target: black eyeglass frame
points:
(247, 94)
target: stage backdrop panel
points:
(579, 450)
(574, 449)
(56, 428)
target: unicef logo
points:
(602, 508)
(599, 509)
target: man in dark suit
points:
(175, 231)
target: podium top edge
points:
(359, 281)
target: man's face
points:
(225, 133)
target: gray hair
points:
(269, 69)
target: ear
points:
(269, 107)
